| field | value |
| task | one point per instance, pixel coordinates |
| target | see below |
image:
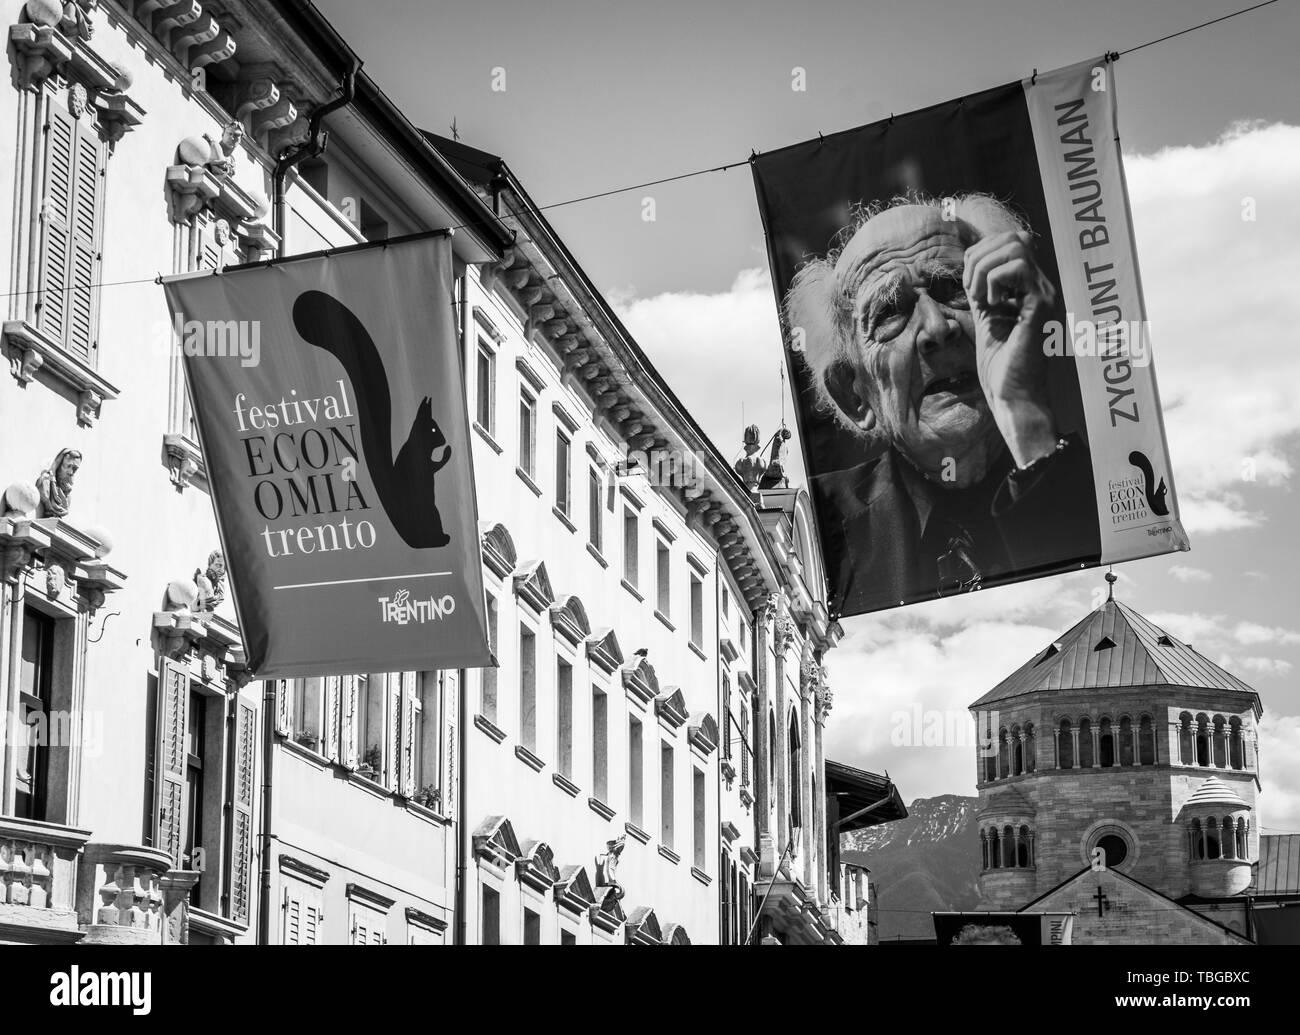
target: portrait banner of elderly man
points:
(967, 343)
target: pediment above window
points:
(574, 891)
(494, 841)
(536, 866)
(499, 552)
(533, 585)
(675, 934)
(670, 707)
(642, 927)
(639, 678)
(703, 733)
(603, 650)
(607, 913)
(569, 619)
(728, 649)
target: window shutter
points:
(56, 219)
(348, 727)
(240, 863)
(393, 685)
(410, 687)
(85, 263)
(333, 714)
(169, 760)
(283, 707)
(302, 915)
(311, 918)
(292, 918)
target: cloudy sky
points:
(609, 94)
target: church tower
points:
(1120, 757)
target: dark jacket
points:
(886, 545)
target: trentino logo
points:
(400, 608)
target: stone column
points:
(1095, 729)
(1074, 739)
(1024, 757)
(762, 758)
(804, 790)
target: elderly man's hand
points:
(1010, 298)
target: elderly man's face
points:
(913, 343)
(67, 470)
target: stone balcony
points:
(120, 894)
(38, 881)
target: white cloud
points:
(1269, 666)
(1279, 764)
(1251, 633)
(1185, 574)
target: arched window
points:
(1198, 840)
(995, 849)
(1236, 754)
(1202, 739)
(1008, 846)
(1146, 741)
(1004, 753)
(1228, 839)
(796, 775)
(1017, 752)
(984, 849)
(990, 759)
(1024, 856)
(1220, 742)
(1243, 838)
(1085, 743)
(771, 756)
(1127, 747)
(1031, 749)
(1064, 746)
(1106, 744)
(1186, 747)
(1211, 838)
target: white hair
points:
(818, 311)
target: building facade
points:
(645, 763)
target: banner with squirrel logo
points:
(329, 401)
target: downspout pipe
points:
(317, 140)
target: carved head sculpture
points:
(216, 566)
(751, 440)
(607, 864)
(231, 136)
(55, 483)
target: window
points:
(666, 795)
(726, 603)
(744, 632)
(726, 715)
(564, 718)
(485, 404)
(635, 771)
(532, 928)
(663, 569)
(366, 925)
(796, 774)
(600, 743)
(697, 612)
(426, 706)
(527, 688)
(316, 172)
(700, 806)
(302, 908)
(527, 433)
(308, 703)
(595, 518)
(1115, 849)
(35, 688)
(562, 451)
(488, 687)
(491, 918)
(744, 742)
(70, 227)
(568, 938)
(195, 738)
(631, 545)
(372, 724)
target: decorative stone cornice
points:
(639, 679)
(703, 733)
(670, 707)
(31, 351)
(603, 650)
(569, 619)
(498, 548)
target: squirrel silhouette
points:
(405, 485)
(1155, 495)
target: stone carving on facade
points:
(77, 99)
(751, 466)
(54, 484)
(607, 865)
(211, 583)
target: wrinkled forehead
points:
(901, 235)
